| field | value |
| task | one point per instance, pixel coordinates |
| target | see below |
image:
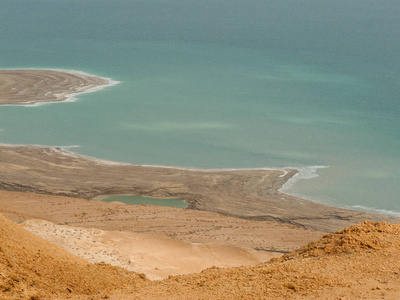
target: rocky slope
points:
(360, 262)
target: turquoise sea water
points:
(138, 200)
(222, 84)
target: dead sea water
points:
(139, 200)
(216, 84)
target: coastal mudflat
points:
(251, 194)
(32, 87)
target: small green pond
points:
(138, 200)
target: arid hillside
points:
(360, 262)
(32, 268)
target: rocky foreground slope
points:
(360, 262)
(32, 268)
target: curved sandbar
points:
(33, 87)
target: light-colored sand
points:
(156, 257)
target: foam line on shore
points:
(285, 171)
(73, 97)
(66, 150)
(304, 173)
(374, 210)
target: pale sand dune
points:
(156, 257)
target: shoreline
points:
(290, 181)
(247, 194)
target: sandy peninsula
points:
(34, 87)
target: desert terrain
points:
(154, 240)
(360, 262)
